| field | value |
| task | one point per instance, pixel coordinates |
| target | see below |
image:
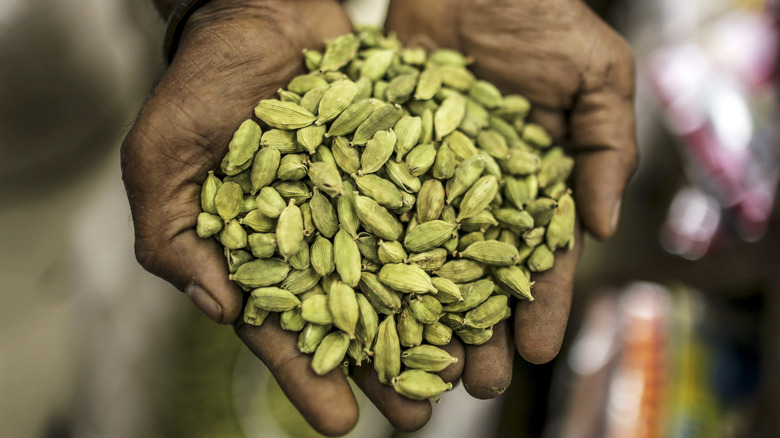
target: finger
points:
(541, 323)
(603, 134)
(326, 401)
(488, 370)
(454, 370)
(411, 21)
(404, 414)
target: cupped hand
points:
(232, 54)
(578, 74)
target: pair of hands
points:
(577, 72)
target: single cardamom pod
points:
(398, 173)
(515, 281)
(427, 358)
(493, 143)
(428, 235)
(311, 100)
(536, 135)
(263, 245)
(453, 320)
(208, 225)
(410, 330)
(486, 94)
(283, 141)
(462, 146)
(467, 239)
(430, 200)
(270, 203)
(346, 256)
(426, 131)
(426, 308)
(322, 260)
(308, 220)
(292, 167)
(445, 163)
(349, 120)
(377, 151)
(261, 273)
(254, 315)
(437, 334)
(487, 314)
(387, 351)
(408, 129)
(258, 222)
(513, 106)
(478, 196)
(326, 177)
(330, 353)
(368, 245)
(292, 190)
(283, 115)
(506, 130)
(421, 158)
(343, 305)
(466, 174)
(492, 252)
(520, 162)
(449, 115)
(384, 192)
(345, 207)
(208, 193)
(274, 299)
(347, 157)
(474, 336)
(560, 230)
(228, 200)
(312, 59)
(339, 52)
(311, 137)
(534, 236)
(391, 252)
(336, 100)
(429, 261)
(289, 230)
(300, 281)
(233, 235)
(316, 311)
(400, 88)
(479, 222)
(381, 119)
(376, 219)
(542, 210)
(462, 270)
(368, 323)
(420, 385)
(521, 190)
(377, 63)
(449, 292)
(449, 57)
(291, 320)
(382, 298)
(429, 83)
(406, 278)
(541, 259)
(302, 84)
(311, 336)
(518, 221)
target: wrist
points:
(175, 13)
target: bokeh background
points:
(674, 331)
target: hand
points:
(232, 54)
(578, 74)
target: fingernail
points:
(615, 216)
(204, 302)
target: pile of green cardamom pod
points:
(389, 200)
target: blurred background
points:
(675, 320)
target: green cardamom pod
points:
(258, 222)
(513, 279)
(427, 358)
(560, 230)
(283, 141)
(406, 278)
(262, 245)
(462, 270)
(289, 230)
(541, 259)
(322, 259)
(466, 174)
(311, 336)
(292, 167)
(339, 52)
(349, 120)
(391, 252)
(426, 308)
(534, 236)
(254, 315)
(208, 193)
(291, 320)
(428, 235)
(338, 97)
(311, 137)
(493, 143)
(487, 94)
(474, 336)
(520, 162)
(312, 58)
(316, 311)
(420, 385)
(429, 261)
(536, 135)
(445, 163)
(382, 298)
(429, 83)
(377, 63)
(330, 353)
(311, 99)
(208, 225)
(387, 351)
(381, 119)
(410, 330)
(302, 84)
(449, 292)
(292, 190)
(368, 323)
(300, 281)
(513, 106)
(478, 196)
(479, 222)
(437, 334)
(430, 200)
(274, 299)
(486, 314)
(492, 252)
(400, 88)
(233, 235)
(343, 305)
(346, 256)
(467, 239)
(283, 115)
(376, 219)
(542, 210)
(449, 115)
(421, 158)
(346, 156)
(398, 173)
(345, 207)
(384, 192)
(377, 151)
(261, 273)
(228, 200)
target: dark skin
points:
(235, 52)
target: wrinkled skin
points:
(235, 52)
(578, 74)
